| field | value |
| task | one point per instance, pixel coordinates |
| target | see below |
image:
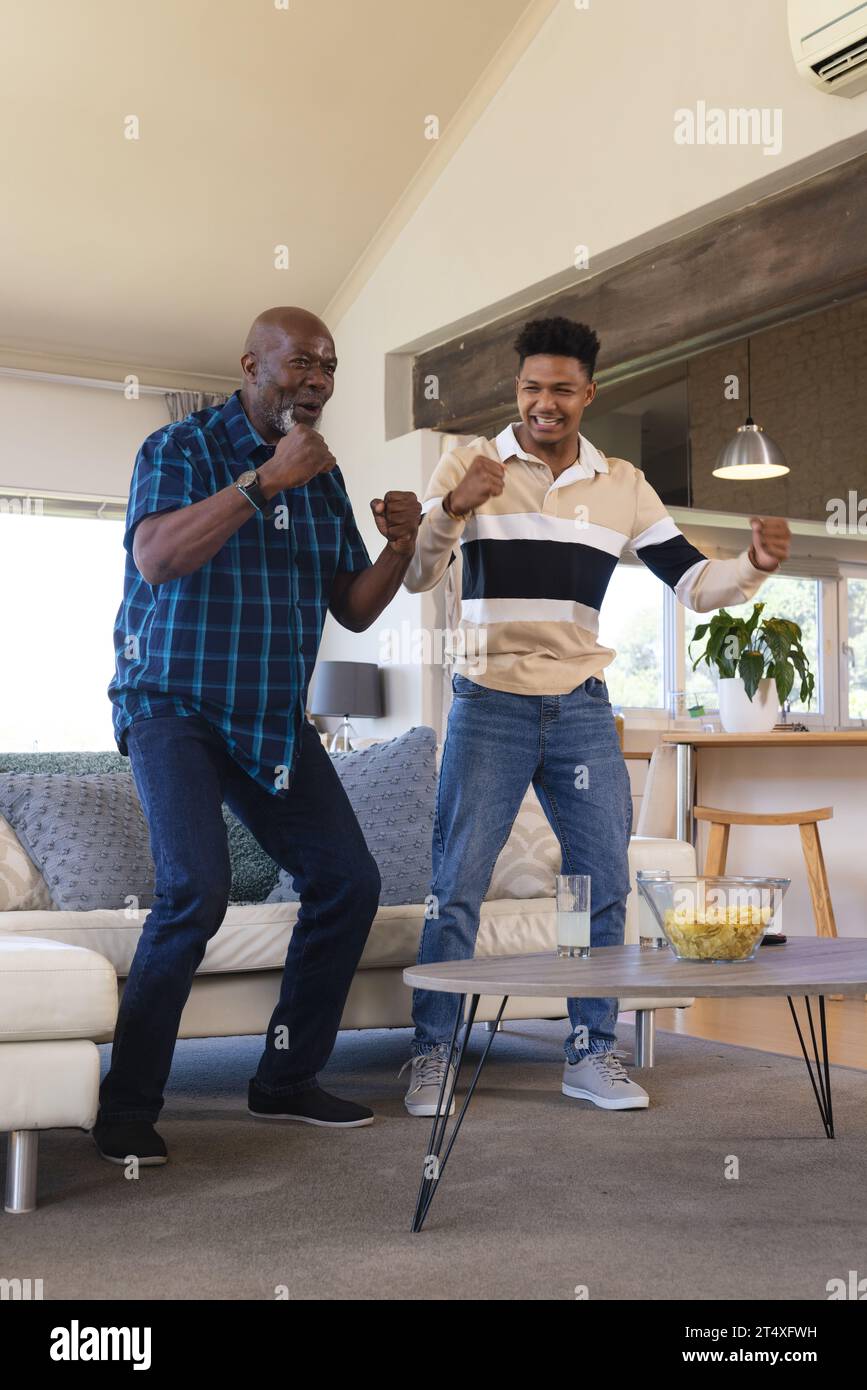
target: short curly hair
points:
(558, 337)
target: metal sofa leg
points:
(22, 1154)
(645, 1037)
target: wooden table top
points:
(804, 965)
(814, 738)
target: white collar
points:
(589, 460)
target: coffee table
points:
(804, 967)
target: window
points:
(632, 622)
(61, 579)
(784, 595)
(855, 647)
(651, 632)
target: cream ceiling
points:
(259, 126)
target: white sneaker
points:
(601, 1077)
(426, 1081)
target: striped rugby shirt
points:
(536, 561)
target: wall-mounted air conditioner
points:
(829, 44)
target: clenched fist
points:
(299, 456)
(397, 516)
(485, 478)
(772, 541)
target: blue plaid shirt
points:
(236, 641)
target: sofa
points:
(237, 984)
(54, 999)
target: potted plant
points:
(756, 660)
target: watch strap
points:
(256, 497)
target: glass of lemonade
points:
(573, 915)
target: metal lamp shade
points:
(751, 454)
(346, 688)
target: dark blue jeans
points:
(497, 744)
(184, 773)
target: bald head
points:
(274, 326)
(288, 364)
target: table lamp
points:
(346, 688)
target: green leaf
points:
(778, 642)
(751, 669)
(784, 679)
(753, 619)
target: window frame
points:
(832, 674)
(842, 665)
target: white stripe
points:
(538, 526)
(686, 584)
(664, 530)
(481, 612)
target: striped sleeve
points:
(699, 583)
(438, 535)
(164, 478)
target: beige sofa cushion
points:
(257, 937)
(22, 887)
(49, 990)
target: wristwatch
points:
(248, 483)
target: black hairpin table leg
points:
(821, 1082)
(435, 1160)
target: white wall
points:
(577, 148)
(72, 439)
(376, 467)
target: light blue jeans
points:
(496, 745)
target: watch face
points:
(247, 478)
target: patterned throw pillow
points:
(530, 858)
(87, 835)
(22, 887)
(254, 872)
(392, 788)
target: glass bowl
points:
(716, 919)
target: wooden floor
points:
(766, 1024)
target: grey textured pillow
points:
(392, 789)
(86, 835)
(254, 872)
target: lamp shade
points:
(751, 454)
(346, 688)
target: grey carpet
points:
(542, 1194)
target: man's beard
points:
(281, 419)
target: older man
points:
(240, 537)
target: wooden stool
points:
(721, 823)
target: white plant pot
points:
(740, 715)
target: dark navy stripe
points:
(536, 569)
(670, 560)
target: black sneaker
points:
(130, 1139)
(311, 1107)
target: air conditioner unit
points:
(829, 44)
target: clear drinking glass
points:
(573, 915)
(650, 933)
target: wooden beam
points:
(786, 255)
